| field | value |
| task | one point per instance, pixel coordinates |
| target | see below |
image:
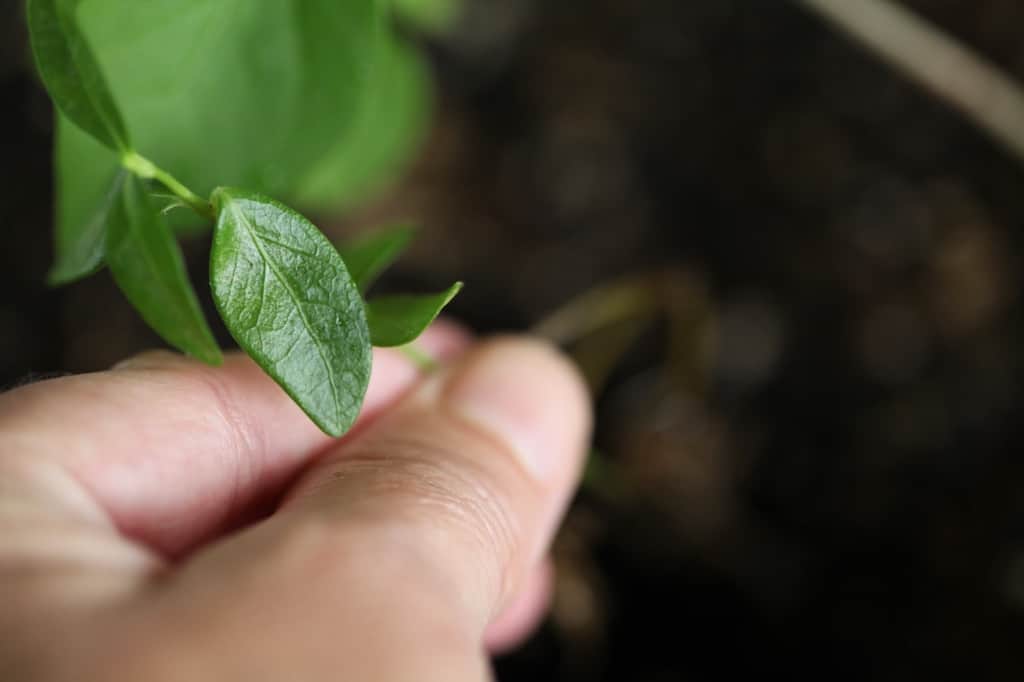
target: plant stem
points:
(988, 96)
(604, 305)
(423, 362)
(146, 169)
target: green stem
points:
(146, 169)
(419, 357)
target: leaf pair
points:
(126, 230)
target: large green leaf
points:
(287, 298)
(388, 130)
(398, 320)
(371, 254)
(147, 265)
(228, 92)
(71, 74)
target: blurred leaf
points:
(285, 295)
(147, 265)
(598, 354)
(430, 15)
(82, 183)
(368, 256)
(230, 92)
(80, 250)
(398, 320)
(388, 130)
(71, 73)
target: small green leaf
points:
(71, 73)
(370, 255)
(398, 320)
(80, 251)
(147, 265)
(287, 298)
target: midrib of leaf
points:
(111, 127)
(251, 232)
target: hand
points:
(169, 521)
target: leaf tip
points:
(60, 274)
(454, 290)
(333, 430)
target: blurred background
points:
(791, 274)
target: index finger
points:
(172, 451)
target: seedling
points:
(287, 296)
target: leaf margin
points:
(122, 253)
(377, 315)
(342, 421)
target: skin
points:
(168, 521)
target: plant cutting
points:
(291, 300)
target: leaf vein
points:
(243, 222)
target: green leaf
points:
(370, 255)
(148, 267)
(92, 175)
(398, 320)
(287, 298)
(388, 131)
(232, 92)
(80, 251)
(71, 73)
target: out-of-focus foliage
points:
(309, 100)
(387, 127)
(428, 15)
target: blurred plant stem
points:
(989, 97)
(419, 357)
(630, 298)
(599, 326)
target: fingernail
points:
(522, 393)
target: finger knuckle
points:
(445, 496)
